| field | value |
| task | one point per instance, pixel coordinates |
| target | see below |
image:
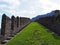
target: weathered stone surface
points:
(24, 21)
(13, 26)
(21, 22)
(18, 23)
(10, 27)
(52, 22)
(5, 27)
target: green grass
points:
(35, 34)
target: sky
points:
(27, 8)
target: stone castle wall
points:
(10, 27)
(51, 22)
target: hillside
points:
(35, 34)
(45, 15)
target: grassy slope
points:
(34, 34)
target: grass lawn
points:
(35, 34)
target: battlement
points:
(11, 26)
